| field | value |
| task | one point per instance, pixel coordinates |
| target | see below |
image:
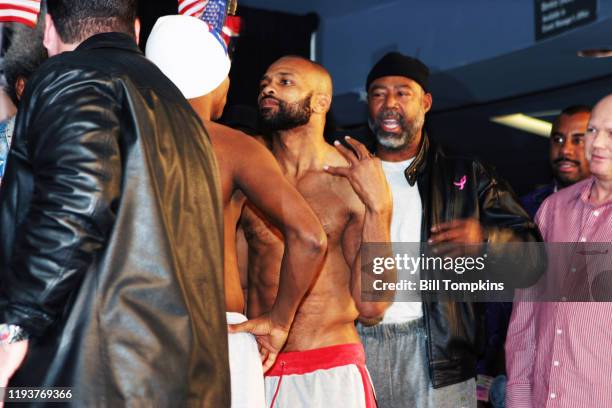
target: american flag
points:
(215, 13)
(193, 8)
(212, 12)
(20, 11)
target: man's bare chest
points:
(331, 202)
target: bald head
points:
(314, 74)
(294, 92)
(604, 104)
(598, 140)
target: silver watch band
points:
(11, 333)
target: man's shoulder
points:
(235, 142)
(564, 198)
(65, 68)
(569, 193)
(540, 193)
(450, 156)
(532, 200)
(107, 69)
(98, 60)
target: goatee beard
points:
(288, 116)
(395, 141)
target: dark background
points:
(520, 157)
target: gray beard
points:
(393, 141)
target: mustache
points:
(268, 97)
(390, 114)
(565, 159)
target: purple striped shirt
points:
(559, 354)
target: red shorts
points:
(326, 377)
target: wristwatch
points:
(11, 333)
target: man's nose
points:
(600, 139)
(266, 91)
(567, 148)
(390, 101)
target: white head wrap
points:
(189, 54)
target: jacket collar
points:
(110, 40)
(419, 161)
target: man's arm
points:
(371, 227)
(520, 354)
(521, 340)
(73, 149)
(259, 177)
(367, 228)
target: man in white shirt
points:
(423, 354)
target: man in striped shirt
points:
(558, 353)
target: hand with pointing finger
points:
(365, 174)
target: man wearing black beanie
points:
(423, 354)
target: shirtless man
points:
(247, 170)
(323, 362)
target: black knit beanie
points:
(396, 64)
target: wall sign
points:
(556, 16)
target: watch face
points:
(10, 333)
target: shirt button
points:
(583, 239)
(573, 269)
(559, 331)
(596, 213)
(564, 299)
(556, 363)
(553, 395)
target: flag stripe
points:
(19, 14)
(193, 10)
(20, 11)
(18, 8)
(32, 4)
(186, 4)
(14, 19)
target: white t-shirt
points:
(405, 227)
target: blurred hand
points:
(449, 238)
(11, 357)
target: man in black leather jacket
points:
(423, 354)
(111, 266)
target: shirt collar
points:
(110, 40)
(585, 192)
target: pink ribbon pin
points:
(461, 183)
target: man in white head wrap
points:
(197, 62)
(186, 50)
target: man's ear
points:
(137, 30)
(427, 101)
(50, 36)
(322, 103)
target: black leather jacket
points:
(455, 330)
(111, 225)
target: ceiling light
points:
(595, 53)
(525, 123)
